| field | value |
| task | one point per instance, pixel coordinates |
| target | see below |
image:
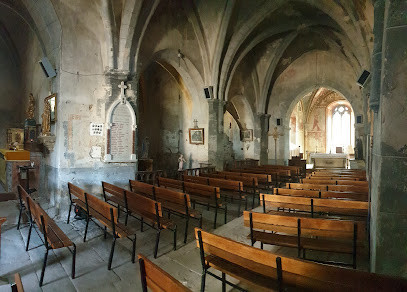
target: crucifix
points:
(276, 134)
(122, 87)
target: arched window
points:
(340, 128)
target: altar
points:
(324, 160)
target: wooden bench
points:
(265, 271)
(335, 182)
(326, 187)
(17, 286)
(173, 202)
(335, 177)
(316, 205)
(229, 188)
(103, 213)
(337, 236)
(153, 277)
(251, 184)
(264, 180)
(54, 237)
(199, 194)
(321, 194)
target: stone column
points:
(215, 133)
(379, 7)
(261, 137)
(389, 179)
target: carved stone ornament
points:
(48, 141)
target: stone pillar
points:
(261, 137)
(215, 133)
(389, 179)
(379, 7)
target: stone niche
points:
(121, 132)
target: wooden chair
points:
(199, 194)
(54, 237)
(172, 201)
(265, 271)
(337, 236)
(314, 206)
(153, 277)
(229, 188)
(103, 213)
(17, 286)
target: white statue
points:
(181, 161)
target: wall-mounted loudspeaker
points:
(279, 122)
(46, 66)
(208, 92)
(359, 119)
(363, 78)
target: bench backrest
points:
(92, 202)
(321, 194)
(141, 204)
(261, 178)
(223, 184)
(308, 226)
(334, 177)
(325, 187)
(296, 272)
(316, 204)
(246, 180)
(153, 277)
(141, 188)
(335, 182)
(113, 190)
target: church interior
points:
(203, 145)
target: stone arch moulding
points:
(121, 126)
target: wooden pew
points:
(17, 286)
(316, 205)
(264, 180)
(172, 201)
(229, 188)
(336, 236)
(199, 194)
(333, 174)
(276, 174)
(335, 177)
(53, 236)
(101, 212)
(327, 187)
(321, 194)
(265, 271)
(335, 182)
(153, 277)
(251, 184)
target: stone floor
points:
(92, 256)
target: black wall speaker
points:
(279, 122)
(359, 119)
(46, 66)
(208, 92)
(362, 79)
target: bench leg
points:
(261, 245)
(157, 240)
(216, 217)
(86, 229)
(186, 230)
(226, 212)
(142, 224)
(254, 195)
(29, 236)
(169, 214)
(245, 204)
(200, 222)
(175, 238)
(127, 217)
(19, 217)
(133, 253)
(203, 278)
(238, 210)
(73, 261)
(223, 282)
(44, 264)
(109, 266)
(69, 213)
(104, 232)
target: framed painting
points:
(196, 136)
(247, 135)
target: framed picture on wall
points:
(246, 135)
(196, 136)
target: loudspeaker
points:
(279, 122)
(46, 66)
(362, 79)
(208, 92)
(359, 119)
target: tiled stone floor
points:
(92, 256)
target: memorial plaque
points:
(121, 134)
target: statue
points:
(181, 161)
(46, 119)
(31, 108)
